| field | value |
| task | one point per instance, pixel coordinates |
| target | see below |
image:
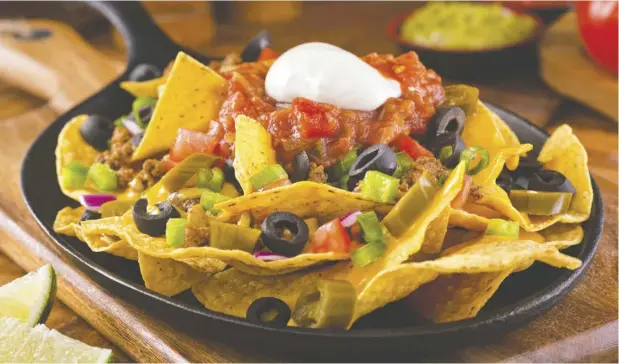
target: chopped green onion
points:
(370, 226)
(500, 227)
(343, 166)
(405, 162)
(119, 121)
(204, 175)
(468, 155)
(446, 152)
(380, 186)
(268, 175)
(367, 254)
(175, 231)
(138, 103)
(104, 178)
(74, 175)
(343, 182)
(178, 176)
(208, 199)
(213, 179)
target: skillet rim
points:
(515, 313)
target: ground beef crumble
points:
(151, 172)
(197, 230)
(317, 173)
(422, 164)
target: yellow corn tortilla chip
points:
(166, 276)
(433, 240)
(67, 221)
(72, 147)
(253, 151)
(103, 236)
(467, 220)
(145, 88)
(304, 199)
(564, 153)
(233, 291)
(192, 98)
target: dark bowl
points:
(495, 63)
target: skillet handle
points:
(145, 41)
(51, 61)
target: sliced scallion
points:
(500, 227)
(370, 226)
(175, 231)
(103, 177)
(268, 175)
(469, 154)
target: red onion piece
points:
(268, 256)
(350, 219)
(132, 126)
(93, 202)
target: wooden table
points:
(582, 327)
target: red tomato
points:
(314, 120)
(266, 54)
(189, 142)
(330, 237)
(597, 21)
(167, 163)
(410, 146)
(461, 197)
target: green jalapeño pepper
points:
(541, 203)
(233, 237)
(462, 96)
(178, 176)
(329, 303)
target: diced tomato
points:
(266, 54)
(167, 163)
(189, 142)
(330, 237)
(314, 120)
(461, 197)
(410, 146)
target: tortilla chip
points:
(67, 220)
(166, 276)
(561, 152)
(467, 220)
(567, 234)
(72, 147)
(304, 199)
(233, 291)
(192, 98)
(253, 151)
(433, 240)
(144, 88)
(105, 235)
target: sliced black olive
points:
(153, 224)
(146, 113)
(378, 157)
(144, 72)
(521, 183)
(301, 165)
(231, 176)
(269, 311)
(254, 47)
(527, 167)
(447, 147)
(504, 180)
(96, 131)
(90, 215)
(136, 139)
(446, 119)
(273, 229)
(550, 181)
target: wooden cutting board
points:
(146, 338)
(566, 67)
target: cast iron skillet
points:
(386, 333)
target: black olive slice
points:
(144, 72)
(254, 47)
(90, 215)
(301, 165)
(378, 157)
(96, 131)
(504, 180)
(454, 146)
(550, 181)
(273, 233)
(447, 119)
(527, 166)
(153, 224)
(230, 176)
(146, 113)
(520, 183)
(269, 311)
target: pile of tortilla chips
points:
(444, 273)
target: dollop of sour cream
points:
(328, 74)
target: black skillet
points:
(391, 333)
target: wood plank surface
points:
(586, 319)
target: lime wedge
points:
(23, 344)
(29, 298)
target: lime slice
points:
(23, 344)
(29, 298)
